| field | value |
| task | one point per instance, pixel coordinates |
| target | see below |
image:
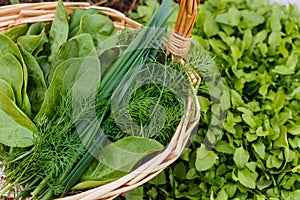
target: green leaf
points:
(205, 159)
(116, 160)
(192, 174)
(59, 29)
(210, 27)
(15, 32)
(82, 74)
(294, 130)
(78, 46)
(33, 43)
(282, 140)
(240, 157)
(247, 178)
(222, 195)
(135, 194)
(180, 171)
(283, 70)
(75, 18)
(16, 129)
(231, 18)
(11, 71)
(36, 83)
(98, 26)
(249, 120)
(275, 22)
(160, 179)
(6, 88)
(259, 148)
(224, 147)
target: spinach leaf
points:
(116, 160)
(98, 26)
(36, 82)
(59, 29)
(65, 77)
(75, 18)
(16, 32)
(6, 88)
(79, 46)
(11, 71)
(16, 129)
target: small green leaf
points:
(247, 178)
(282, 140)
(222, 195)
(283, 70)
(205, 159)
(294, 130)
(259, 148)
(180, 171)
(241, 157)
(135, 194)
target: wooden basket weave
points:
(179, 43)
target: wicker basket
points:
(179, 43)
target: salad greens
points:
(256, 49)
(57, 80)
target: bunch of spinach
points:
(64, 72)
(256, 49)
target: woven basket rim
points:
(18, 14)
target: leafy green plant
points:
(256, 49)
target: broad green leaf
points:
(241, 157)
(204, 103)
(254, 18)
(12, 72)
(205, 159)
(36, 28)
(294, 130)
(78, 76)
(282, 140)
(231, 18)
(292, 61)
(78, 46)
(224, 147)
(275, 22)
(275, 38)
(260, 36)
(274, 162)
(116, 160)
(249, 120)
(210, 27)
(135, 194)
(230, 189)
(59, 29)
(16, 32)
(259, 148)
(6, 88)
(180, 171)
(75, 18)
(160, 179)
(279, 101)
(283, 70)
(33, 43)
(192, 174)
(247, 178)
(16, 129)
(222, 195)
(36, 83)
(98, 26)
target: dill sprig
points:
(56, 149)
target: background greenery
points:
(256, 48)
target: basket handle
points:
(181, 37)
